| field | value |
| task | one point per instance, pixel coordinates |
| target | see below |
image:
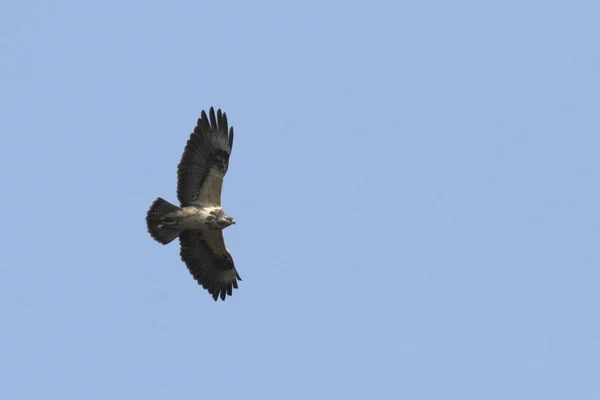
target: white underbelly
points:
(195, 218)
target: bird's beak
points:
(233, 221)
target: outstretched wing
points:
(205, 161)
(209, 262)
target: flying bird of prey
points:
(200, 220)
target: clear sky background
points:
(415, 186)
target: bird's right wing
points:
(205, 161)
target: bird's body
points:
(196, 218)
(200, 220)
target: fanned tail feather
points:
(161, 233)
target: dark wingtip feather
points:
(219, 119)
(223, 124)
(213, 120)
(231, 138)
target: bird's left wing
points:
(205, 161)
(209, 262)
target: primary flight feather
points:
(200, 220)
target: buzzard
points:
(200, 220)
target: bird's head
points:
(225, 220)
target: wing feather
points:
(209, 262)
(205, 161)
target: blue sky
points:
(415, 186)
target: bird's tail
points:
(159, 231)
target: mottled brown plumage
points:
(200, 220)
